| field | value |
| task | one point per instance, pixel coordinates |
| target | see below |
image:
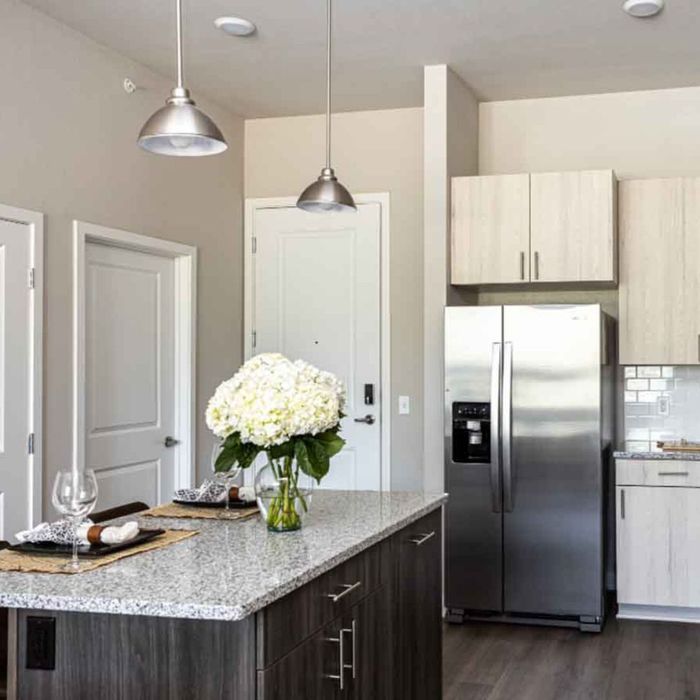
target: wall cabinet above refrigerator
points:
(534, 229)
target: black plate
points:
(93, 550)
(212, 504)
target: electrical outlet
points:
(663, 406)
(404, 405)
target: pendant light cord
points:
(178, 14)
(328, 83)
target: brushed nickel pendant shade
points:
(327, 193)
(180, 128)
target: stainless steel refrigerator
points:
(528, 419)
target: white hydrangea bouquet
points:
(292, 412)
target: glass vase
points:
(283, 493)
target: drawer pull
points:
(340, 676)
(349, 588)
(622, 503)
(421, 539)
(673, 473)
(352, 630)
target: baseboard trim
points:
(658, 613)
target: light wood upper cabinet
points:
(573, 226)
(545, 227)
(659, 285)
(490, 229)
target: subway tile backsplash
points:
(660, 403)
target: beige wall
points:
(451, 137)
(653, 133)
(379, 151)
(67, 139)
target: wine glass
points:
(226, 479)
(74, 496)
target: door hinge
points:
(30, 444)
(255, 338)
(255, 245)
(31, 278)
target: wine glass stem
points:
(74, 561)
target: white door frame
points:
(34, 220)
(254, 204)
(185, 259)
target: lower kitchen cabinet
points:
(385, 640)
(658, 531)
(418, 557)
(349, 658)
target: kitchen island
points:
(350, 606)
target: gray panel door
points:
(553, 499)
(473, 542)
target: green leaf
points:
(331, 441)
(302, 456)
(247, 454)
(229, 453)
(235, 452)
(284, 450)
(318, 457)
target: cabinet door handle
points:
(537, 265)
(348, 588)
(522, 265)
(418, 541)
(353, 631)
(340, 676)
(622, 503)
(673, 473)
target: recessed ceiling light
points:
(235, 26)
(643, 8)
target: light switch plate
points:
(404, 405)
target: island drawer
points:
(657, 472)
(288, 621)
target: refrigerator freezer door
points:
(553, 534)
(473, 543)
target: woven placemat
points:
(176, 510)
(38, 564)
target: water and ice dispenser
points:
(471, 432)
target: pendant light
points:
(179, 128)
(326, 193)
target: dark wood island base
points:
(368, 629)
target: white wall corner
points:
(450, 148)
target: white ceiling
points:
(503, 48)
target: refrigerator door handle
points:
(496, 428)
(506, 429)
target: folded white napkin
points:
(61, 532)
(212, 491)
(112, 534)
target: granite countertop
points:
(231, 568)
(683, 456)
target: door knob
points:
(369, 419)
(171, 441)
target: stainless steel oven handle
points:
(506, 429)
(495, 467)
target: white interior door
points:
(316, 297)
(15, 377)
(129, 373)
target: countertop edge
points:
(125, 606)
(660, 456)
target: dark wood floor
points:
(628, 661)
